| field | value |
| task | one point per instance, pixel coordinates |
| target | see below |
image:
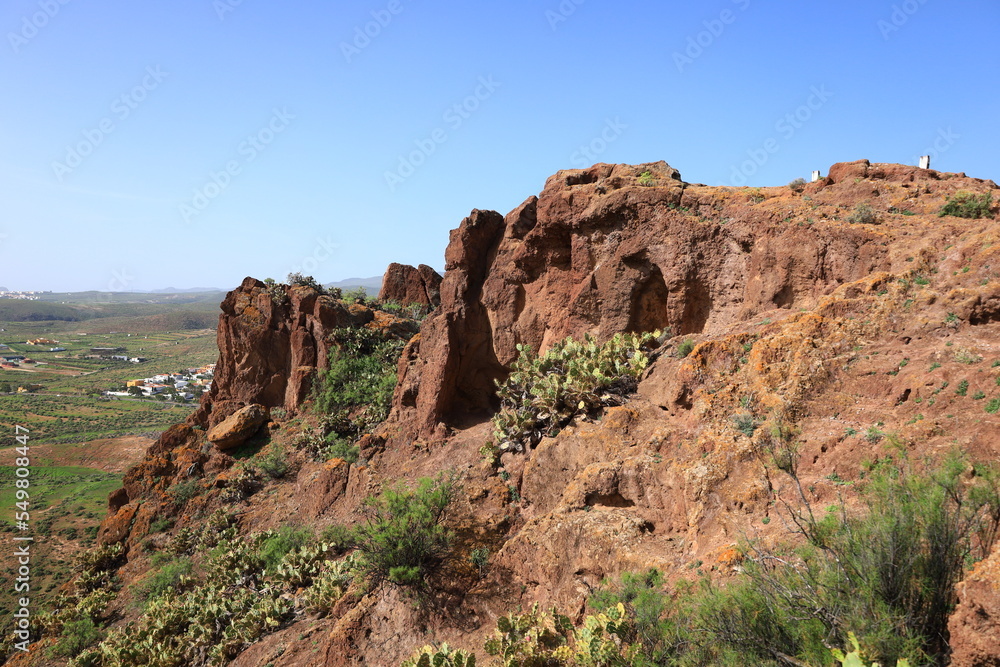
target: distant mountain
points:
(371, 285)
(190, 290)
(4, 289)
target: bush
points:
(288, 538)
(294, 279)
(745, 423)
(76, 636)
(964, 204)
(275, 290)
(685, 348)
(160, 525)
(339, 448)
(887, 573)
(403, 538)
(542, 394)
(183, 492)
(646, 179)
(340, 538)
(170, 577)
(357, 295)
(274, 464)
(360, 380)
(798, 185)
(863, 215)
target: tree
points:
(5, 388)
(134, 391)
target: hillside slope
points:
(847, 312)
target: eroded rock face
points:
(975, 624)
(448, 372)
(619, 248)
(407, 285)
(269, 348)
(804, 321)
(238, 427)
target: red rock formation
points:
(975, 625)
(600, 252)
(270, 348)
(407, 285)
(808, 320)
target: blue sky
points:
(146, 144)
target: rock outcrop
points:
(271, 342)
(408, 286)
(805, 318)
(601, 251)
(975, 625)
(238, 427)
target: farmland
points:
(80, 441)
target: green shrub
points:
(798, 185)
(76, 636)
(288, 538)
(357, 295)
(160, 525)
(294, 279)
(964, 204)
(685, 348)
(357, 388)
(863, 214)
(542, 394)
(993, 406)
(339, 448)
(184, 491)
(275, 290)
(480, 558)
(403, 538)
(887, 573)
(274, 463)
(745, 423)
(340, 538)
(646, 179)
(170, 577)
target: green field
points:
(59, 419)
(66, 507)
(67, 372)
(66, 414)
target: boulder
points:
(238, 427)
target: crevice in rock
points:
(609, 500)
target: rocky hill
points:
(845, 315)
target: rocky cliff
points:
(843, 307)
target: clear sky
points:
(194, 142)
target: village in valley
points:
(171, 386)
(38, 357)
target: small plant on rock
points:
(863, 215)
(964, 204)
